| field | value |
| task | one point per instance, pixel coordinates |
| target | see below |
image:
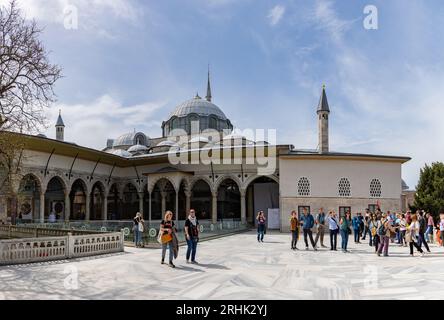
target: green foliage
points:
(430, 190)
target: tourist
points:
(192, 236)
(260, 226)
(333, 225)
(430, 224)
(52, 217)
(345, 225)
(294, 228)
(366, 226)
(356, 223)
(307, 222)
(408, 217)
(384, 231)
(374, 225)
(136, 229)
(403, 230)
(441, 229)
(412, 235)
(422, 229)
(141, 230)
(320, 222)
(167, 229)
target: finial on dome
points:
(209, 97)
(197, 96)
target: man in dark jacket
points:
(307, 222)
(422, 229)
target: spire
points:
(323, 103)
(59, 122)
(208, 97)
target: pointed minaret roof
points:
(60, 120)
(208, 97)
(323, 102)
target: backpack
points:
(381, 230)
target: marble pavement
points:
(234, 267)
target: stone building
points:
(135, 172)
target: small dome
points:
(167, 143)
(199, 139)
(138, 148)
(120, 153)
(198, 106)
(131, 139)
(404, 185)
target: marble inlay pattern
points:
(235, 267)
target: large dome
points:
(198, 106)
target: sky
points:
(128, 63)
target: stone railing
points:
(11, 232)
(19, 251)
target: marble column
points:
(243, 209)
(188, 202)
(141, 195)
(214, 208)
(163, 207)
(149, 210)
(177, 208)
(67, 207)
(105, 209)
(88, 207)
(42, 207)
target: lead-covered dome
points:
(131, 139)
(197, 110)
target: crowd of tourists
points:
(414, 230)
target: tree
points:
(430, 190)
(27, 80)
(26, 76)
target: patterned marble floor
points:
(235, 267)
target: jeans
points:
(384, 245)
(413, 243)
(309, 233)
(333, 239)
(376, 241)
(421, 240)
(320, 234)
(344, 237)
(260, 232)
(367, 230)
(356, 234)
(170, 249)
(137, 235)
(429, 233)
(294, 238)
(402, 237)
(192, 248)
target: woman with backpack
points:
(374, 225)
(260, 226)
(384, 231)
(345, 225)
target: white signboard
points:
(274, 219)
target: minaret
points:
(323, 113)
(60, 128)
(208, 97)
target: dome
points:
(131, 139)
(167, 143)
(120, 153)
(404, 185)
(138, 148)
(198, 106)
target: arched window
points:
(375, 188)
(344, 188)
(213, 123)
(304, 187)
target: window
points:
(343, 211)
(344, 188)
(304, 187)
(375, 189)
(301, 211)
(372, 208)
(213, 123)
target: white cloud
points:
(93, 123)
(275, 15)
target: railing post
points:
(70, 242)
(122, 239)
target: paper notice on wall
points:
(274, 219)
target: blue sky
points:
(131, 62)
